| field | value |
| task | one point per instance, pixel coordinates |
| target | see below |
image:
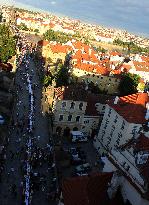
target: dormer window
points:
(81, 106)
(72, 105)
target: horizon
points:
(88, 19)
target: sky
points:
(131, 15)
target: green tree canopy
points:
(57, 36)
(36, 30)
(129, 83)
(131, 46)
(7, 43)
(100, 49)
(47, 80)
(62, 76)
(22, 26)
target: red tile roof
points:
(132, 107)
(58, 48)
(86, 190)
(141, 66)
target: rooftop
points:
(89, 190)
(132, 107)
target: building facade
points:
(124, 138)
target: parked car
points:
(79, 139)
(83, 167)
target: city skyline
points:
(115, 14)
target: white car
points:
(83, 168)
(79, 139)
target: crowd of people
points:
(32, 156)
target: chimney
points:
(116, 100)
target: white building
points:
(75, 108)
(124, 137)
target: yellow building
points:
(108, 84)
(54, 51)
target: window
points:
(80, 106)
(72, 105)
(77, 118)
(103, 131)
(115, 120)
(106, 123)
(119, 135)
(118, 141)
(109, 138)
(123, 125)
(109, 113)
(111, 133)
(63, 104)
(102, 137)
(105, 126)
(69, 117)
(61, 117)
(86, 122)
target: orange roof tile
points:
(58, 48)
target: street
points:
(13, 179)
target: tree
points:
(62, 76)
(100, 49)
(36, 30)
(22, 26)
(57, 36)
(1, 17)
(131, 46)
(7, 43)
(47, 80)
(129, 83)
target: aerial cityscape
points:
(74, 104)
